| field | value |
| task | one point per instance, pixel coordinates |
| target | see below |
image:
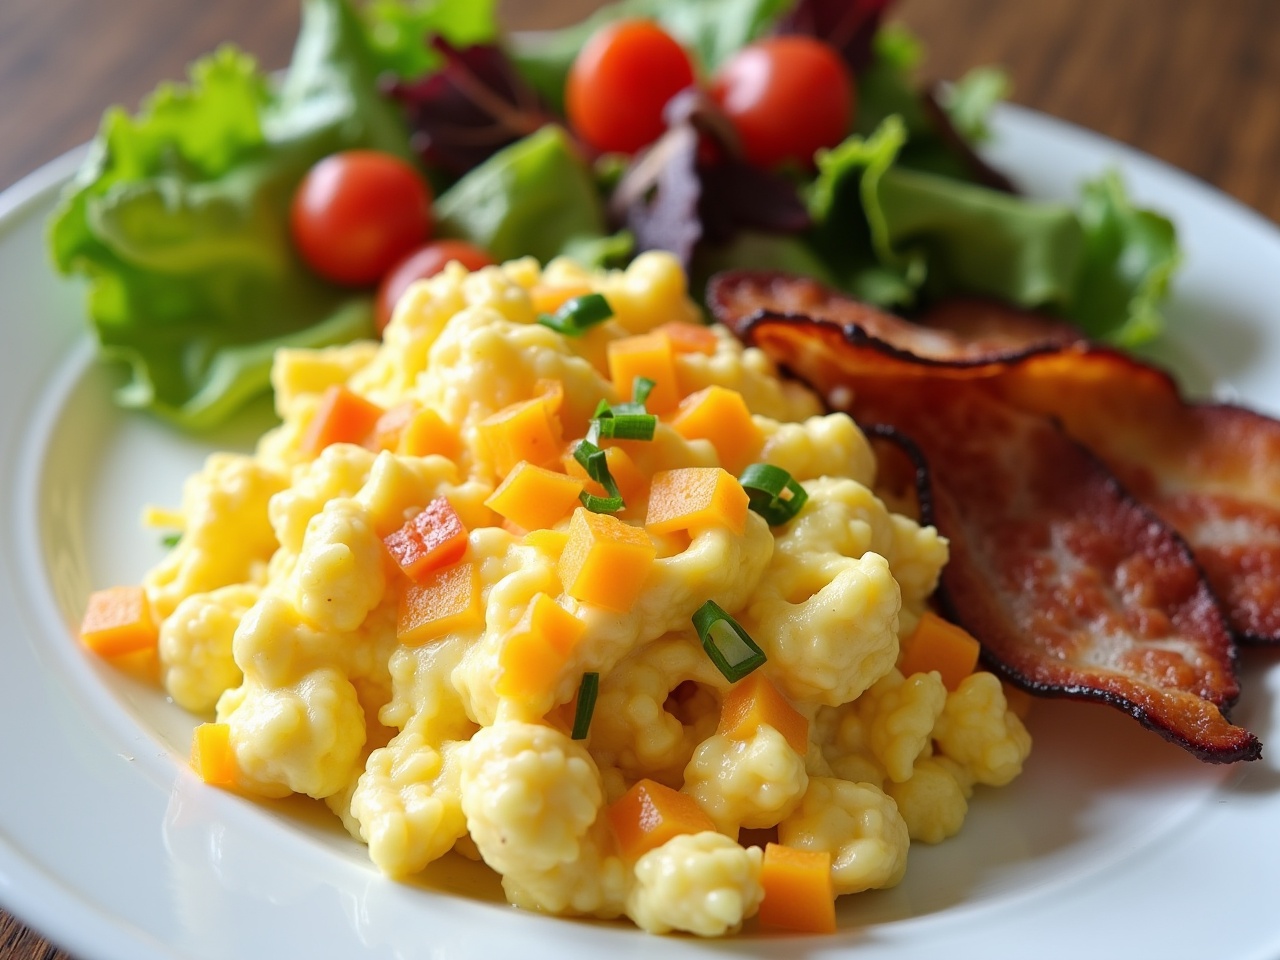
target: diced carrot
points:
(118, 621)
(342, 417)
(548, 298)
(434, 538)
(754, 700)
(939, 645)
(211, 754)
(551, 392)
(631, 481)
(534, 497)
(536, 650)
(445, 601)
(527, 430)
(605, 561)
(799, 894)
(690, 337)
(426, 434)
(694, 498)
(646, 355)
(721, 416)
(389, 427)
(650, 814)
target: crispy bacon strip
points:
(1074, 588)
(1212, 471)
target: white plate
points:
(1113, 843)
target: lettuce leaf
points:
(893, 234)
(178, 219)
(397, 30)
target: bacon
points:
(1075, 587)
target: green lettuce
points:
(178, 219)
(397, 31)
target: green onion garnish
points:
(627, 426)
(170, 540)
(730, 647)
(593, 461)
(578, 315)
(640, 389)
(772, 492)
(587, 691)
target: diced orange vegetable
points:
(548, 298)
(211, 754)
(536, 650)
(799, 894)
(690, 337)
(435, 538)
(534, 497)
(389, 427)
(650, 814)
(528, 430)
(551, 392)
(548, 541)
(631, 481)
(647, 355)
(342, 417)
(694, 498)
(721, 416)
(426, 434)
(118, 621)
(754, 700)
(605, 561)
(942, 646)
(444, 601)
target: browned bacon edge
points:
(828, 354)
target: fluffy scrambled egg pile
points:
(429, 725)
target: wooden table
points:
(1194, 82)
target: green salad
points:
(180, 217)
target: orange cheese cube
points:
(425, 434)
(536, 650)
(528, 430)
(342, 417)
(548, 298)
(534, 497)
(694, 498)
(386, 431)
(548, 541)
(445, 601)
(690, 337)
(754, 700)
(211, 754)
(605, 561)
(721, 416)
(940, 645)
(650, 814)
(647, 355)
(118, 621)
(799, 894)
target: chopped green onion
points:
(772, 492)
(578, 315)
(587, 691)
(627, 426)
(640, 390)
(593, 461)
(730, 647)
(170, 540)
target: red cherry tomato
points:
(422, 263)
(356, 213)
(620, 82)
(787, 97)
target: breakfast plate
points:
(1113, 842)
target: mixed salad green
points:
(179, 217)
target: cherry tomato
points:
(787, 97)
(422, 263)
(356, 213)
(620, 82)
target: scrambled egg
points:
(281, 610)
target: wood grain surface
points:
(1194, 82)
